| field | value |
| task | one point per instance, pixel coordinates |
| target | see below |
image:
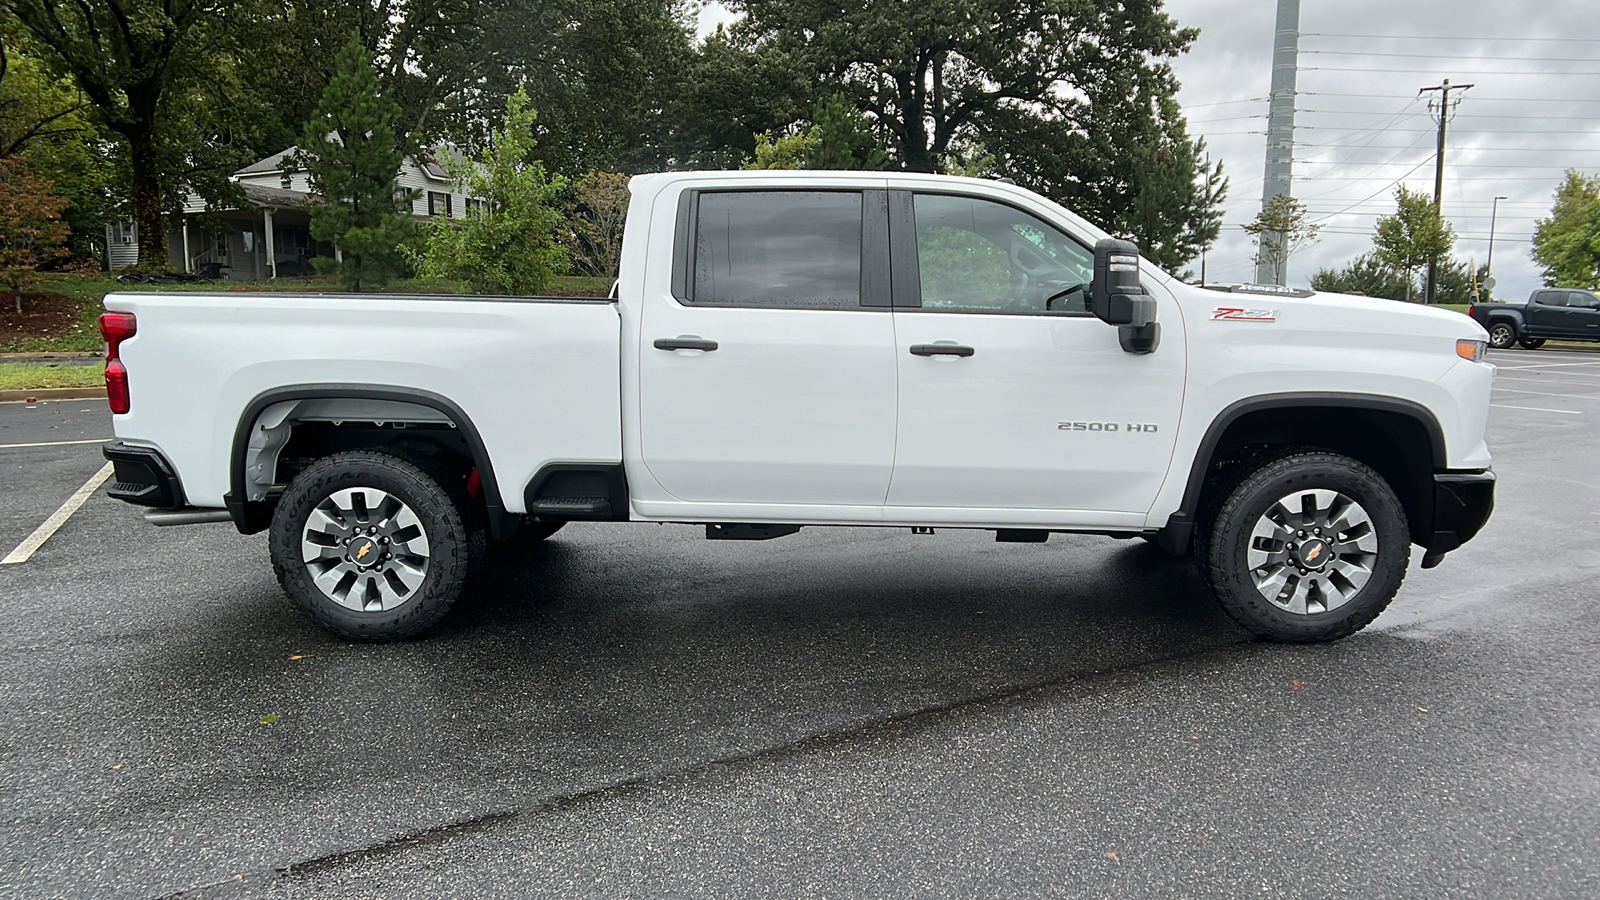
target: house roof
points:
(261, 195)
(272, 163)
(277, 161)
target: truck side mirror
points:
(1117, 298)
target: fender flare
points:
(250, 517)
(1174, 537)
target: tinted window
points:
(1581, 298)
(982, 256)
(1551, 298)
(789, 249)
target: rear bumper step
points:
(143, 477)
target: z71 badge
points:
(1239, 314)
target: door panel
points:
(1047, 411)
(1583, 318)
(1546, 316)
(795, 404)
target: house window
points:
(438, 203)
(474, 205)
(286, 178)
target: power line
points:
(1371, 69)
(1441, 37)
(1474, 99)
(1451, 56)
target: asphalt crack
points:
(914, 721)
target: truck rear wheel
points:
(1502, 334)
(1530, 343)
(1308, 547)
(370, 546)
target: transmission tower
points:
(1280, 125)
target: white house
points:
(269, 234)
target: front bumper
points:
(1462, 502)
(143, 476)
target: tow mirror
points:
(1117, 298)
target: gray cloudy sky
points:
(1361, 129)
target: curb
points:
(46, 394)
(49, 356)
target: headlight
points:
(1471, 350)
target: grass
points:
(84, 334)
(23, 377)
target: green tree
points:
(31, 230)
(351, 154)
(133, 60)
(1414, 236)
(508, 245)
(1366, 274)
(1459, 282)
(1280, 230)
(1567, 244)
(838, 136)
(1176, 208)
(597, 209)
(933, 72)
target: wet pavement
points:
(636, 711)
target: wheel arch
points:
(253, 515)
(1400, 439)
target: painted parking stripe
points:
(1548, 394)
(1549, 365)
(58, 518)
(1565, 412)
(53, 444)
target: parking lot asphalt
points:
(635, 711)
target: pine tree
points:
(352, 155)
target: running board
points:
(740, 531)
(189, 515)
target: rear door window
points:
(778, 249)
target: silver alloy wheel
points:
(365, 549)
(1312, 551)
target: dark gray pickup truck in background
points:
(1557, 314)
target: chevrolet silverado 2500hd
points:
(788, 349)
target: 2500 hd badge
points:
(1132, 427)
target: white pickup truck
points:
(810, 348)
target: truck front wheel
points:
(370, 546)
(1308, 547)
(1502, 335)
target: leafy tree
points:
(31, 230)
(838, 137)
(1567, 244)
(351, 154)
(1414, 236)
(35, 107)
(1366, 274)
(597, 207)
(133, 60)
(934, 71)
(1280, 230)
(508, 245)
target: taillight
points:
(117, 327)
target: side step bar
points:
(188, 515)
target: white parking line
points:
(57, 519)
(1565, 412)
(1549, 365)
(52, 444)
(1548, 394)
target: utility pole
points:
(1438, 166)
(1279, 174)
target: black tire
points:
(1502, 334)
(1226, 544)
(449, 540)
(1530, 343)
